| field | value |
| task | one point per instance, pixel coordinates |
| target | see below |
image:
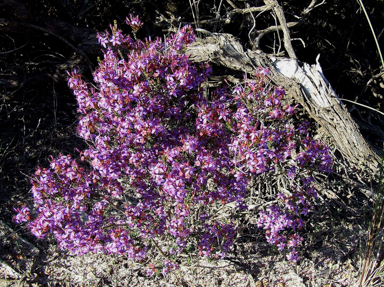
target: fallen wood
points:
(303, 82)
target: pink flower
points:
(134, 22)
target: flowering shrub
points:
(266, 146)
(164, 157)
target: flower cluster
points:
(164, 156)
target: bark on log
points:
(305, 83)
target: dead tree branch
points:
(283, 23)
(262, 33)
(303, 82)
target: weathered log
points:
(303, 82)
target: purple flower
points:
(292, 256)
(23, 214)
